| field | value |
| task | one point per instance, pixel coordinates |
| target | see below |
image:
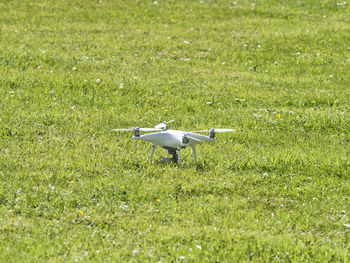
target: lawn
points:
(276, 190)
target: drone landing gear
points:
(175, 154)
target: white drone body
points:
(173, 140)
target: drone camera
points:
(211, 133)
(137, 132)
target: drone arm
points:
(152, 151)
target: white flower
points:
(121, 85)
(74, 68)
(51, 91)
(199, 246)
(186, 42)
(331, 76)
(155, 3)
(98, 80)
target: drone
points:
(173, 140)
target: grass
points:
(277, 190)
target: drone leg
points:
(178, 154)
(152, 151)
(194, 153)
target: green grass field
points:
(276, 190)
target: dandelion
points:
(98, 80)
(81, 212)
(122, 187)
(165, 110)
(298, 117)
(278, 115)
(25, 30)
(158, 200)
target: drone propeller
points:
(217, 130)
(163, 125)
(141, 129)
